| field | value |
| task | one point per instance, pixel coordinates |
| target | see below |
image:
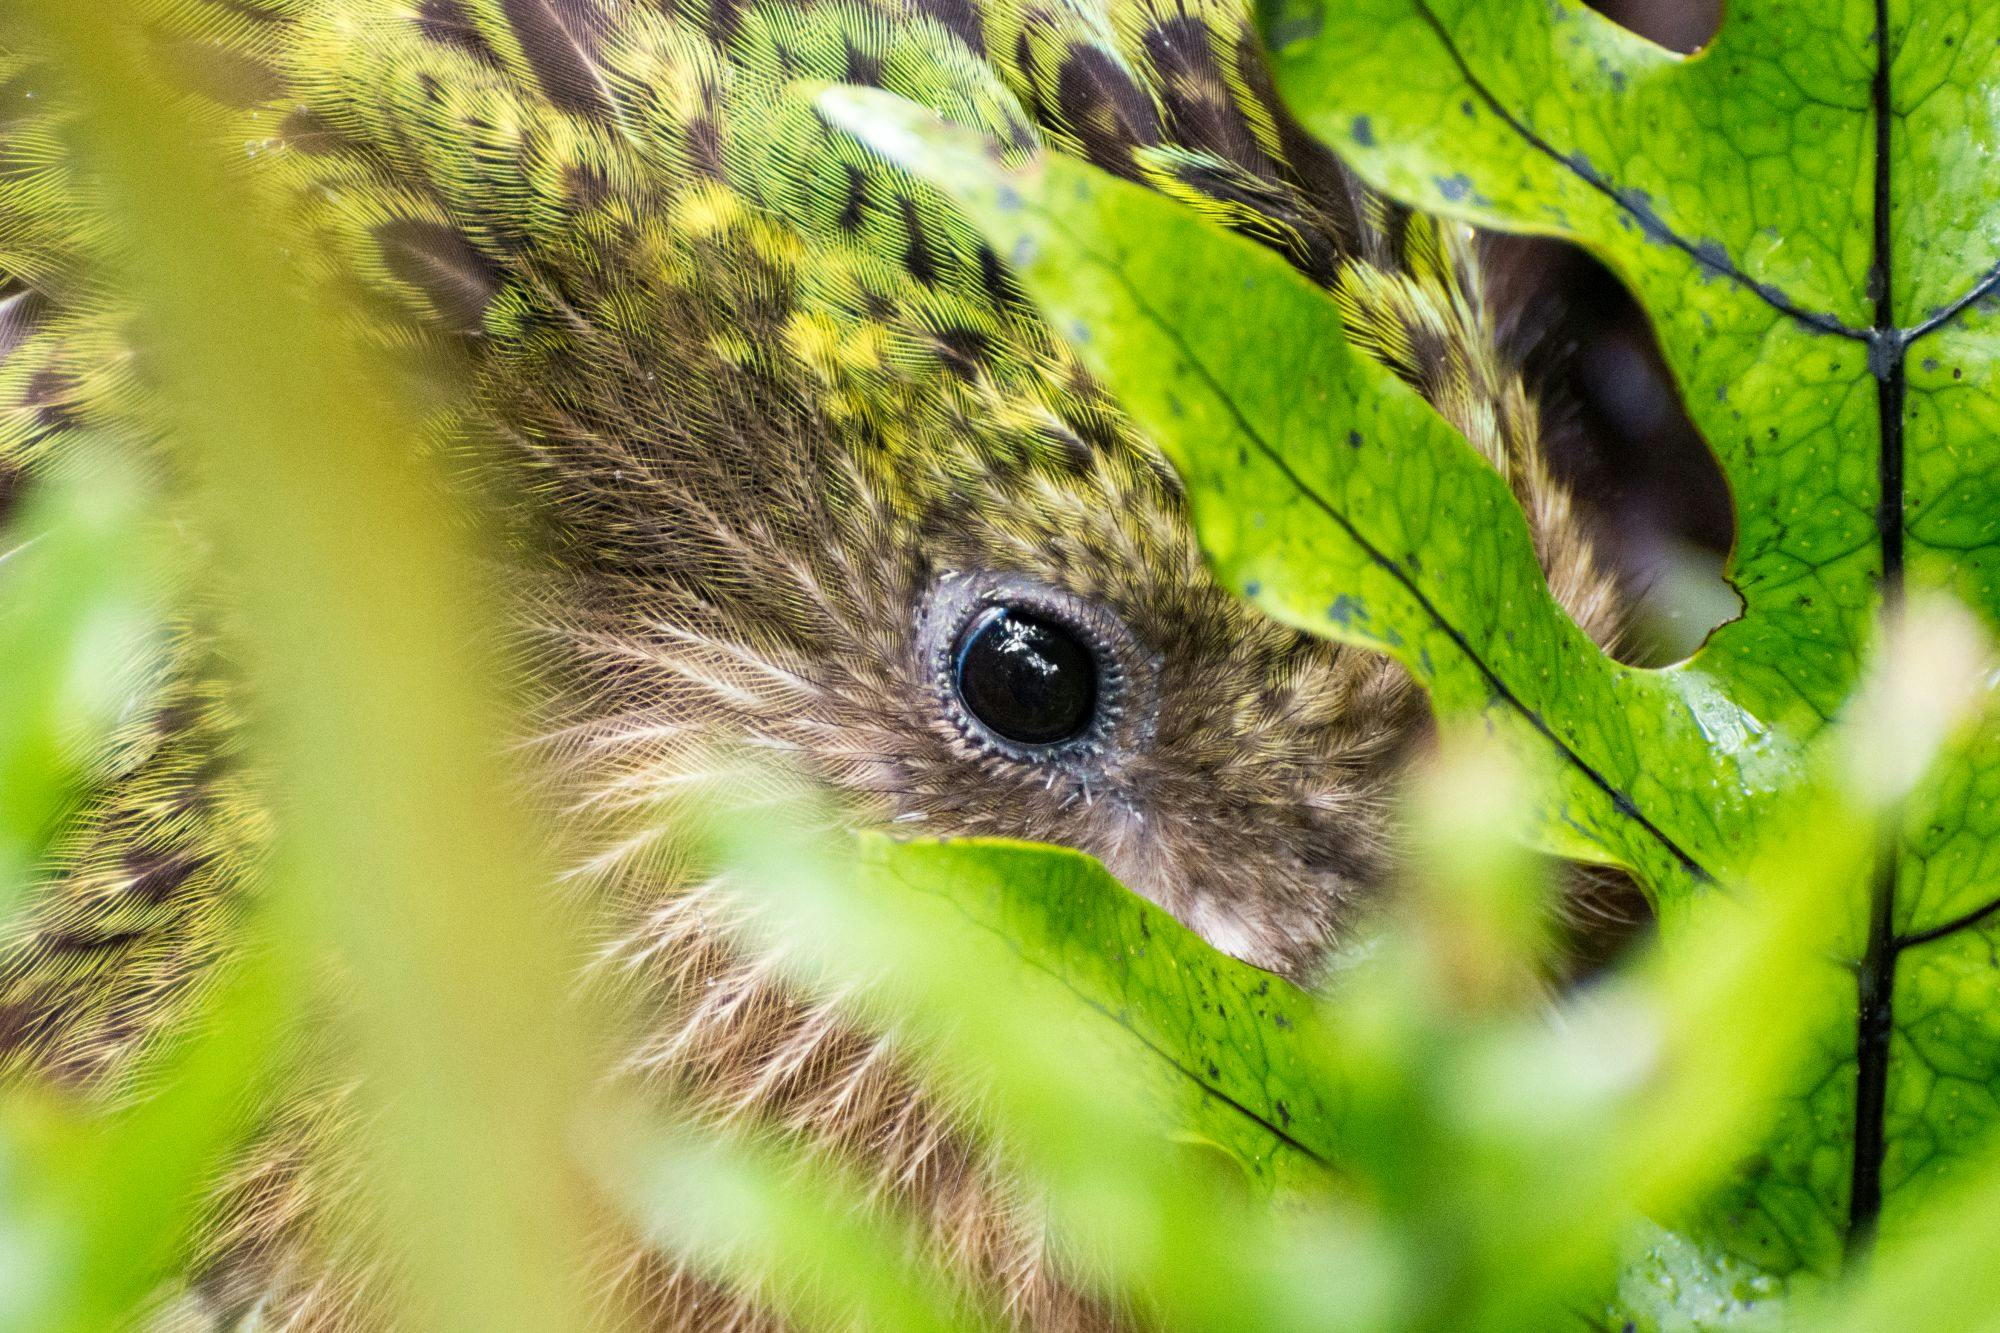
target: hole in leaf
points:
(1604, 920)
(1678, 25)
(1618, 435)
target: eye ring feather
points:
(1028, 632)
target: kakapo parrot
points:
(804, 469)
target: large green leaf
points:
(1489, 1161)
(1330, 495)
(1804, 210)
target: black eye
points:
(1028, 677)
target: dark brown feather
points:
(562, 40)
(441, 264)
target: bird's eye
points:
(1034, 674)
(1027, 677)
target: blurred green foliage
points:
(1428, 1139)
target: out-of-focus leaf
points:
(93, 1207)
(776, 1222)
(1941, 1282)
(74, 612)
(1035, 988)
(1512, 1151)
(364, 616)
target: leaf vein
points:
(1708, 256)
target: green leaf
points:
(1229, 1054)
(73, 616)
(1488, 1160)
(1804, 211)
(1834, 348)
(360, 607)
(95, 1207)
(771, 1219)
(1236, 1050)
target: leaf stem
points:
(1888, 360)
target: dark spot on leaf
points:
(1363, 132)
(1347, 609)
(1455, 188)
(1294, 26)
